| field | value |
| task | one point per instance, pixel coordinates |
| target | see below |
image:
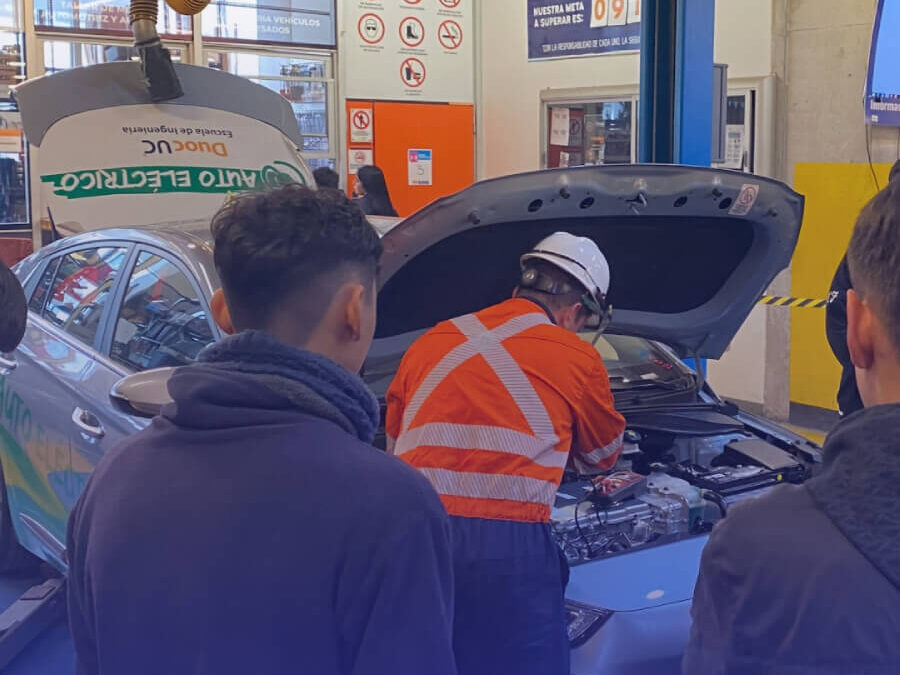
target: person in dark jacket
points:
(836, 329)
(14, 314)
(372, 192)
(252, 528)
(806, 579)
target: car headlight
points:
(582, 621)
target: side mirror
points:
(143, 394)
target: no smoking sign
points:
(450, 35)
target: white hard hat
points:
(579, 256)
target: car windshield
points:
(632, 363)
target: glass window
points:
(39, 295)
(298, 22)
(81, 289)
(304, 81)
(162, 321)
(63, 54)
(12, 66)
(14, 205)
(109, 17)
(590, 133)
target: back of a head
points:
(372, 179)
(326, 177)
(290, 245)
(13, 310)
(874, 257)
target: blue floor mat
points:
(49, 654)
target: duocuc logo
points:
(280, 173)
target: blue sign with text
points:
(575, 28)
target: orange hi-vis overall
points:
(488, 405)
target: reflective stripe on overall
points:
(539, 447)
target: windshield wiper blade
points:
(678, 384)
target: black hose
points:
(716, 499)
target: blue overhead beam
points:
(676, 93)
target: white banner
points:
(409, 50)
(144, 164)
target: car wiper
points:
(678, 384)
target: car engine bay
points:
(676, 477)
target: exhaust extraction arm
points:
(156, 61)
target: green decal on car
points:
(29, 456)
(143, 180)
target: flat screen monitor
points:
(883, 82)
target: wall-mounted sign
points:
(109, 17)
(298, 22)
(357, 158)
(409, 50)
(421, 168)
(361, 125)
(557, 28)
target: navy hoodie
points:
(241, 534)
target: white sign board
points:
(409, 50)
(358, 158)
(143, 164)
(559, 126)
(421, 167)
(361, 125)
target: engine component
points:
(618, 486)
(730, 480)
(678, 505)
(584, 531)
(757, 452)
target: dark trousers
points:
(509, 613)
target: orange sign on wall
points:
(398, 128)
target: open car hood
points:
(691, 250)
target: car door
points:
(50, 388)
(160, 319)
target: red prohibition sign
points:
(370, 28)
(361, 120)
(412, 72)
(412, 31)
(450, 4)
(450, 34)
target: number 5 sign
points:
(614, 12)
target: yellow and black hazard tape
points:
(783, 301)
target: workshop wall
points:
(827, 53)
(510, 134)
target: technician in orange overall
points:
(487, 406)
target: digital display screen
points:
(883, 85)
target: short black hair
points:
(13, 310)
(326, 177)
(561, 300)
(290, 243)
(874, 257)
